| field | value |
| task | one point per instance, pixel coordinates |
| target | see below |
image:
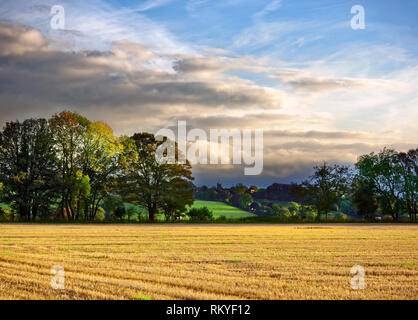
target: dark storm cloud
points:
(37, 78)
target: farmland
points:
(218, 209)
(222, 209)
(208, 261)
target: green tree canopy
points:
(154, 185)
(324, 188)
(27, 161)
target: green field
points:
(218, 208)
(222, 209)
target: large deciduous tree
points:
(364, 198)
(152, 184)
(101, 156)
(324, 188)
(409, 180)
(69, 133)
(89, 156)
(384, 172)
(27, 160)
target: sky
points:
(320, 90)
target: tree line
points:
(383, 183)
(67, 167)
(70, 168)
(386, 181)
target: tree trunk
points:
(151, 212)
(34, 212)
(62, 209)
(318, 214)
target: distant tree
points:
(239, 189)
(323, 189)
(245, 200)
(260, 194)
(299, 192)
(252, 189)
(281, 192)
(281, 212)
(275, 209)
(293, 208)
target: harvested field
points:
(208, 261)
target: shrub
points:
(100, 215)
(294, 207)
(283, 212)
(387, 218)
(340, 216)
(202, 213)
(6, 215)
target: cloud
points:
(151, 4)
(193, 5)
(304, 80)
(95, 24)
(18, 40)
(316, 134)
(309, 112)
(35, 76)
(204, 64)
(265, 34)
(270, 7)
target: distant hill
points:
(222, 209)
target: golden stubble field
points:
(208, 261)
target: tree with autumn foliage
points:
(69, 131)
(88, 158)
(102, 157)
